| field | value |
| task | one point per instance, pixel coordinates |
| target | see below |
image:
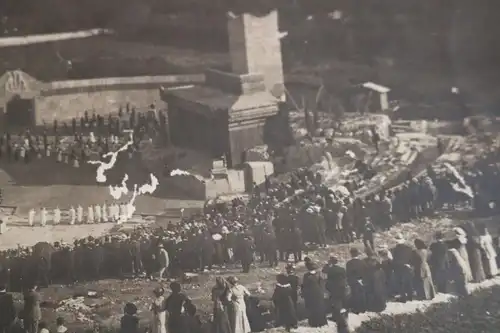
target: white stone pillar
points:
(255, 47)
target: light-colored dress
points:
(159, 315)
(486, 243)
(239, 320)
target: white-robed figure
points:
(3, 225)
(57, 216)
(104, 211)
(90, 214)
(72, 215)
(115, 212)
(31, 217)
(97, 213)
(79, 214)
(43, 217)
(123, 212)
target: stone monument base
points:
(222, 123)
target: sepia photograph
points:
(241, 166)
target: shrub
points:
(477, 313)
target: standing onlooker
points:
(8, 310)
(163, 260)
(220, 322)
(489, 253)
(32, 313)
(424, 285)
(236, 296)
(283, 303)
(438, 262)
(129, 323)
(314, 296)
(159, 311)
(176, 305)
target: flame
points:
(105, 166)
(119, 190)
(122, 189)
(144, 189)
(179, 172)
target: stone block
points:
(236, 84)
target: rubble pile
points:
(78, 308)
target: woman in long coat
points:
(129, 323)
(159, 312)
(220, 323)
(175, 305)
(375, 284)
(388, 268)
(236, 295)
(489, 253)
(457, 271)
(283, 303)
(424, 286)
(314, 297)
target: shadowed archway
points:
(20, 112)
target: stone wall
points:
(64, 100)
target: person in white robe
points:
(3, 225)
(115, 214)
(57, 216)
(97, 213)
(104, 210)
(79, 214)
(76, 163)
(43, 217)
(123, 212)
(90, 214)
(72, 215)
(31, 217)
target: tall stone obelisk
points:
(255, 48)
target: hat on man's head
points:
(399, 238)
